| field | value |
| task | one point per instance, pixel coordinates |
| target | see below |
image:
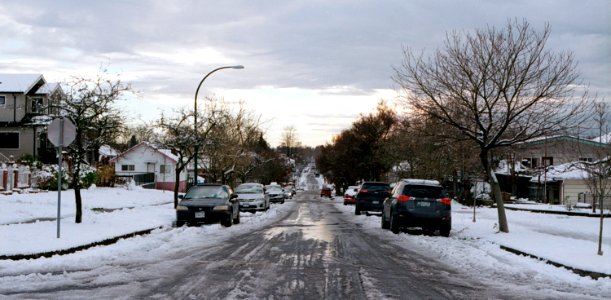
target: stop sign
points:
(55, 129)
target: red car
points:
(349, 195)
(325, 191)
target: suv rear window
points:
(376, 186)
(423, 191)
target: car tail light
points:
(403, 198)
(446, 201)
(363, 191)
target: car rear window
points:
(423, 191)
(206, 192)
(249, 189)
(376, 186)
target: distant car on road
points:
(326, 191)
(418, 203)
(206, 203)
(252, 197)
(275, 193)
(370, 197)
(350, 194)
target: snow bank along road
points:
(310, 248)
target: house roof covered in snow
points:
(550, 139)
(49, 88)
(572, 170)
(19, 83)
(165, 152)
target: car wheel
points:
(228, 221)
(180, 223)
(237, 219)
(445, 231)
(394, 223)
(282, 202)
(357, 210)
(385, 224)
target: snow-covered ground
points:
(110, 212)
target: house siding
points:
(8, 112)
(26, 142)
(148, 160)
(571, 189)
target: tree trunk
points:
(79, 211)
(600, 231)
(76, 174)
(496, 190)
(177, 184)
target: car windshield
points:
(274, 190)
(423, 191)
(206, 192)
(249, 189)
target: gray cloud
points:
(335, 47)
(308, 44)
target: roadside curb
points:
(106, 242)
(567, 213)
(580, 272)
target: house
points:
(147, 164)
(555, 150)
(26, 108)
(549, 169)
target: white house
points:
(146, 163)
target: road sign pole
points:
(60, 132)
(59, 174)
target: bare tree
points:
(498, 87)
(598, 176)
(289, 139)
(88, 103)
(230, 146)
(180, 137)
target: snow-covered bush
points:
(47, 178)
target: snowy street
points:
(309, 247)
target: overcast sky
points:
(314, 65)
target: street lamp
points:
(195, 116)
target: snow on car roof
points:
(421, 181)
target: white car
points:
(252, 197)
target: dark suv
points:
(418, 203)
(370, 197)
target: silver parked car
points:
(275, 193)
(252, 197)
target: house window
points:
(586, 159)
(9, 140)
(531, 162)
(164, 169)
(128, 167)
(37, 105)
(2, 100)
(547, 161)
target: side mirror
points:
(180, 197)
(234, 196)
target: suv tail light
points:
(403, 198)
(446, 201)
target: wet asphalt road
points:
(313, 253)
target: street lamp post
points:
(195, 117)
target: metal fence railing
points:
(139, 179)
